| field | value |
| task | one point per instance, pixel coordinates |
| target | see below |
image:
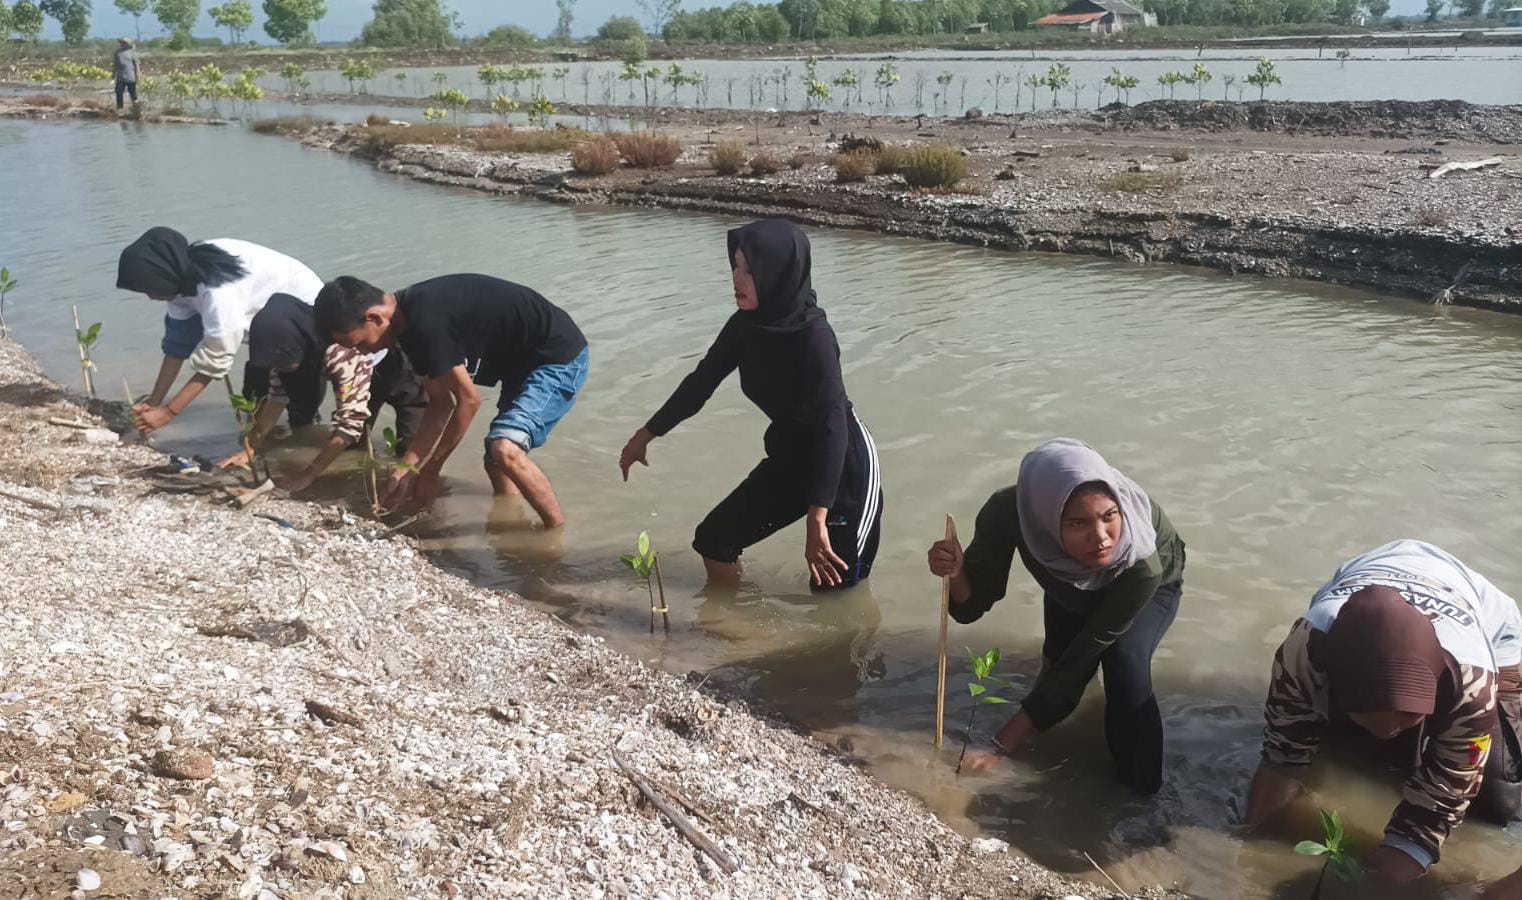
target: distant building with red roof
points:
(1098, 16)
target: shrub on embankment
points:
(727, 157)
(648, 149)
(934, 166)
(597, 156)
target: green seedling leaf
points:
(1311, 848)
(92, 334)
(993, 658)
(1331, 826)
(992, 700)
(975, 689)
(644, 544)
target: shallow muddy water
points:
(1476, 74)
(1284, 426)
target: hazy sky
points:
(346, 17)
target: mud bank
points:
(1346, 210)
(197, 699)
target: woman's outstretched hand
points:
(634, 451)
(825, 567)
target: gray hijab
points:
(1048, 476)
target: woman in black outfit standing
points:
(820, 463)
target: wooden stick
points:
(940, 668)
(665, 610)
(675, 817)
(1105, 874)
(375, 507)
(84, 357)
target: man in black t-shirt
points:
(460, 331)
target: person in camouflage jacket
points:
(1404, 637)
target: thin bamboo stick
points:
(940, 672)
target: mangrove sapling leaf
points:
(85, 339)
(246, 409)
(645, 563)
(7, 284)
(394, 450)
(983, 690)
(1336, 851)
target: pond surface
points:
(994, 80)
(1284, 426)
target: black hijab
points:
(162, 263)
(284, 335)
(780, 260)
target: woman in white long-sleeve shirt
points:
(214, 289)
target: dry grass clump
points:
(855, 166)
(377, 119)
(499, 138)
(597, 156)
(1180, 154)
(647, 149)
(934, 166)
(494, 138)
(1141, 182)
(727, 157)
(286, 125)
(764, 163)
(892, 159)
(797, 160)
(47, 100)
(384, 137)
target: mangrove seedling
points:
(1336, 851)
(1263, 76)
(646, 562)
(86, 338)
(7, 284)
(540, 111)
(246, 409)
(503, 105)
(1199, 77)
(984, 689)
(454, 99)
(1057, 77)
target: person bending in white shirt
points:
(214, 289)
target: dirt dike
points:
(202, 700)
(1453, 120)
(1365, 215)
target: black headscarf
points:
(780, 260)
(284, 335)
(162, 263)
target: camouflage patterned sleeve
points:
(350, 373)
(1438, 793)
(1295, 714)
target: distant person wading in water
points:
(820, 464)
(1111, 568)
(214, 289)
(127, 68)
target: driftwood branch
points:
(673, 815)
(1444, 169)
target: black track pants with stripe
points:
(772, 497)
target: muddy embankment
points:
(287, 700)
(1333, 192)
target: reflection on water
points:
(1284, 426)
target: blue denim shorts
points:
(548, 393)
